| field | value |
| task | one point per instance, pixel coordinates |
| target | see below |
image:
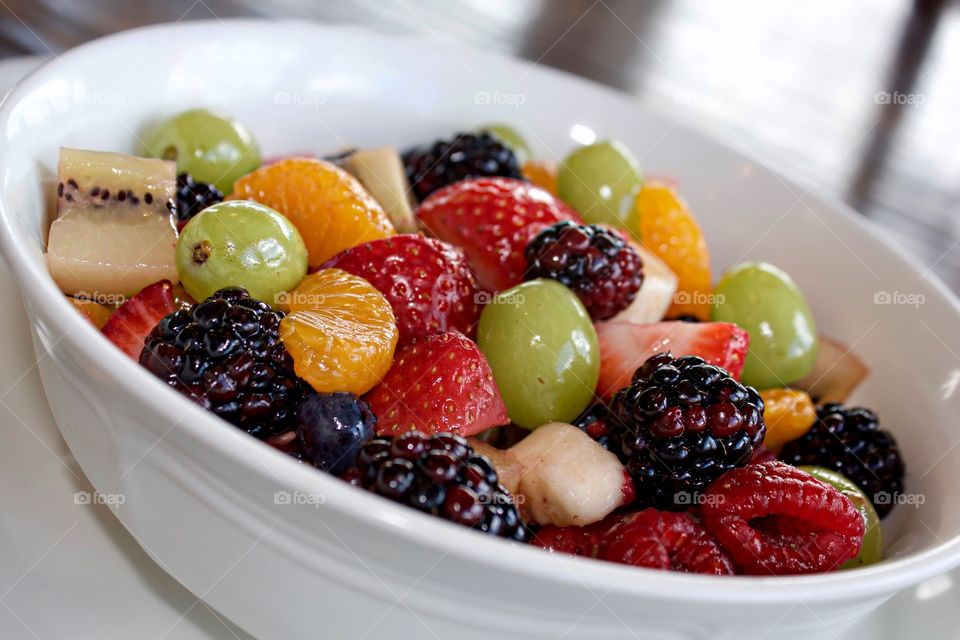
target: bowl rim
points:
(204, 429)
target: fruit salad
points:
(533, 348)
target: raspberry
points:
(226, 355)
(774, 519)
(680, 425)
(193, 197)
(850, 442)
(466, 156)
(594, 262)
(664, 540)
(441, 475)
(573, 540)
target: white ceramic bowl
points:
(200, 495)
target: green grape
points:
(871, 550)
(765, 302)
(240, 244)
(601, 181)
(543, 350)
(210, 147)
(509, 138)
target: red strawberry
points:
(441, 383)
(129, 325)
(492, 219)
(624, 346)
(427, 282)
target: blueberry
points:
(331, 428)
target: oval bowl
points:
(285, 551)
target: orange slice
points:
(788, 415)
(541, 173)
(668, 229)
(328, 206)
(340, 331)
(97, 313)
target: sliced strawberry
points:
(492, 219)
(129, 325)
(624, 346)
(427, 282)
(442, 383)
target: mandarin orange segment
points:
(541, 173)
(668, 229)
(340, 332)
(788, 415)
(97, 313)
(329, 207)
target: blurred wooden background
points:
(859, 98)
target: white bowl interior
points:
(400, 92)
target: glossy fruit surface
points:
(668, 228)
(871, 550)
(114, 233)
(438, 384)
(774, 519)
(331, 428)
(789, 414)
(225, 354)
(835, 374)
(624, 346)
(211, 147)
(328, 206)
(442, 475)
(428, 283)
(193, 197)
(432, 167)
(240, 244)
(541, 173)
(568, 479)
(129, 325)
(492, 220)
(340, 332)
(849, 440)
(680, 425)
(664, 540)
(595, 262)
(601, 181)
(764, 301)
(510, 138)
(97, 313)
(543, 350)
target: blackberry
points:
(680, 425)
(593, 422)
(441, 475)
(849, 440)
(331, 427)
(468, 155)
(226, 355)
(596, 263)
(193, 197)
